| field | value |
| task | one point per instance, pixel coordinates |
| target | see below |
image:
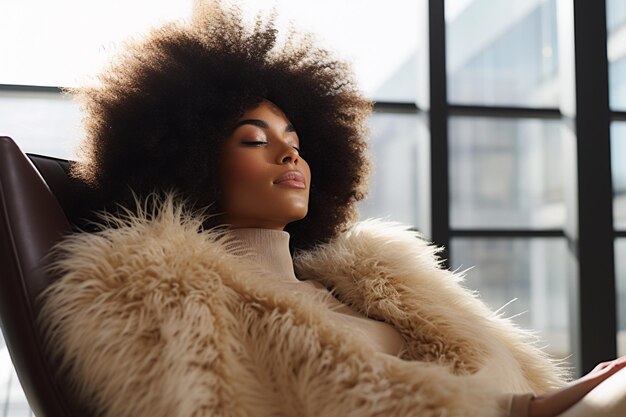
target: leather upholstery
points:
(31, 221)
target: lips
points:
(292, 179)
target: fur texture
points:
(153, 318)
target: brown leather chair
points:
(35, 196)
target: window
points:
(507, 167)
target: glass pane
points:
(399, 187)
(506, 173)
(533, 271)
(616, 52)
(44, 123)
(617, 84)
(511, 60)
(620, 274)
(12, 400)
(615, 14)
(618, 166)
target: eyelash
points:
(259, 143)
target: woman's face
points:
(264, 182)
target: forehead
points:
(266, 110)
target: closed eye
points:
(256, 143)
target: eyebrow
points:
(262, 124)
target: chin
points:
(296, 210)
(297, 215)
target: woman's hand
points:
(554, 403)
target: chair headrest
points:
(31, 222)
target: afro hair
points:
(162, 109)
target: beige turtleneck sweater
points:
(269, 249)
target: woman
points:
(190, 305)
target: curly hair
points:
(163, 108)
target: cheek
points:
(240, 172)
(308, 170)
(243, 169)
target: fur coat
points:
(152, 318)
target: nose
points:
(287, 154)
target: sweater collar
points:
(267, 248)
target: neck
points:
(267, 248)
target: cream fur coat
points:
(152, 319)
